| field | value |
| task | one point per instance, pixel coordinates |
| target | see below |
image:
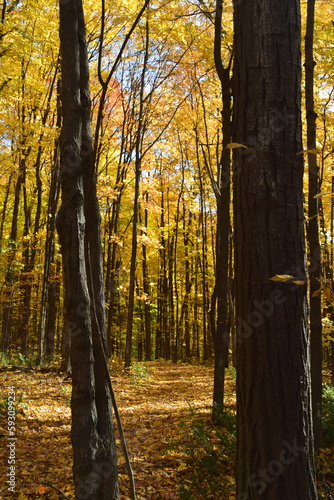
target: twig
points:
(57, 489)
(111, 389)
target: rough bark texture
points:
(275, 441)
(94, 457)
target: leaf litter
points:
(153, 399)
(157, 402)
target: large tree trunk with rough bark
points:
(274, 422)
(94, 455)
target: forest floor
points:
(166, 414)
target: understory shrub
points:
(209, 455)
(328, 416)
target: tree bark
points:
(219, 314)
(94, 455)
(313, 231)
(274, 421)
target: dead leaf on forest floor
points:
(151, 404)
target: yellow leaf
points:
(328, 294)
(316, 293)
(299, 282)
(22, 497)
(319, 195)
(234, 145)
(306, 151)
(282, 277)
(310, 218)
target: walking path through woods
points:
(166, 414)
(153, 400)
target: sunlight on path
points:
(152, 402)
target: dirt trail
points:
(152, 410)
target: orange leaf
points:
(41, 489)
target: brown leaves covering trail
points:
(152, 407)
(152, 401)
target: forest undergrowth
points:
(175, 450)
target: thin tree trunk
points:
(205, 295)
(113, 259)
(7, 337)
(188, 284)
(220, 324)
(162, 273)
(195, 352)
(313, 231)
(133, 263)
(170, 339)
(175, 346)
(4, 208)
(146, 290)
(29, 256)
(47, 301)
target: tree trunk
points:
(133, 263)
(219, 315)
(162, 282)
(29, 255)
(313, 232)
(45, 337)
(113, 259)
(188, 284)
(146, 290)
(175, 288)
(208, 343)
(7, 333)
(94, 454)
(170, 338)
(274, 420)
(4, 208)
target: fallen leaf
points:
(234, 145)
(22, 496)
(41, 489)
